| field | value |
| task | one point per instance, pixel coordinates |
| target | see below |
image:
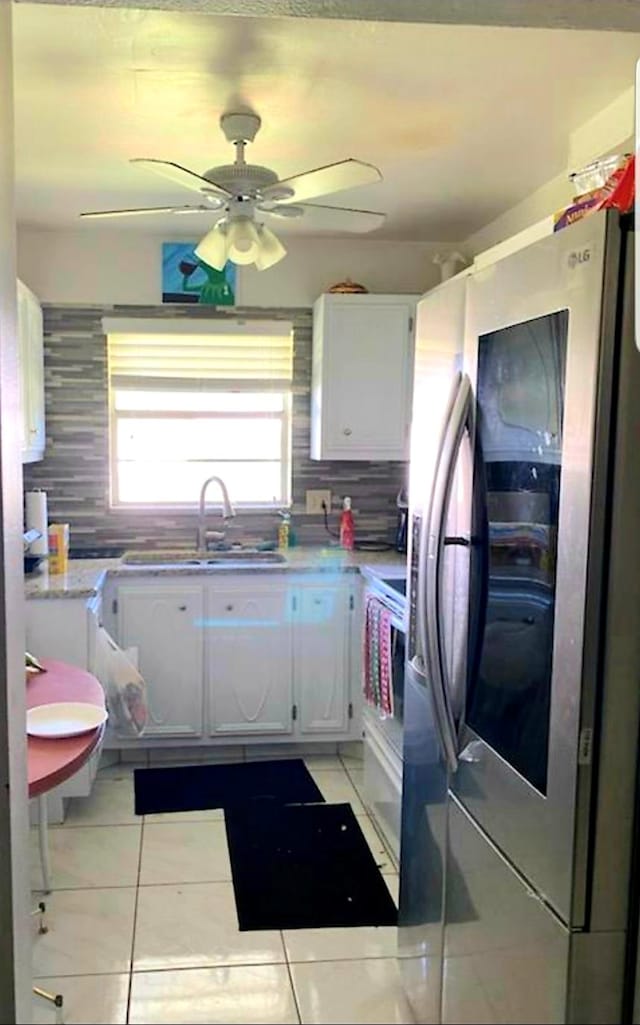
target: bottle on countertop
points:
(284, 531)
(347, 526)
(58, 547)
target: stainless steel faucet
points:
(228, 512)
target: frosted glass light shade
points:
(212, 250)
(243, 241)
(271, 249)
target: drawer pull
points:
(347, 431)
(229, 608)
(182, 608)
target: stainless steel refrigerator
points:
(518, 891)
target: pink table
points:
(50, 762)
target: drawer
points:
(383, 787)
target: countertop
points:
(85, 577)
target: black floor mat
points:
(304, 867)
(195, 787)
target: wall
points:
(75, 469)
(85, 274)
(609, 130)
(103, 266)
(15, 952)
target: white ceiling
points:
(463, 122)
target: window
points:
(185, 405)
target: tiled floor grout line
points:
(385, 845)
(256, 964)
(346, 960)
(135, 920)
(294, 994)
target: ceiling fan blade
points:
(149, 210)
(334, 218)
(346, 174)
(182, 175)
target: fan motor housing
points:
(241, 177)
(241, 126)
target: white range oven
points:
(383, 674)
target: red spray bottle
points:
(347, 526)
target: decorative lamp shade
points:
(212, 250)
(271, 249)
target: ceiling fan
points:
(245, 193)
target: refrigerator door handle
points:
(422, 664)
(460, 420)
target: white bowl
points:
(64, 719)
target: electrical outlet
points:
(314, 500)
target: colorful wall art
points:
(186, 279)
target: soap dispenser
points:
(283, 531)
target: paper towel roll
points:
(36, 519)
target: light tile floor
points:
(143, 925)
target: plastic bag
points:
(125, 688)
(617, 193)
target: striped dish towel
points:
(377, 683)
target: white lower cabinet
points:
(165, 623)
(321, 658)
(249, 670)
(243, 658)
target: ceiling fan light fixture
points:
(243, 241)
(212, 249)
(271, 249)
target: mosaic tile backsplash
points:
(75, 470)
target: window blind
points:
(195, 356)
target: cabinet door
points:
(249, 660)
(165, 625)
(31, 360)
(321, 658)
(366, 379)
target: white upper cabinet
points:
(362, 376)
(31, 364)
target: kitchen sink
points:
(194, 557)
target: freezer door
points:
(438, 380)
(422, 854)
(438, 359)
(506, 955)
(439, 344)
(533, 341)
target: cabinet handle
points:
(182, 608)
(229, 608)
(347, 431)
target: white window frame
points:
(178, 326)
